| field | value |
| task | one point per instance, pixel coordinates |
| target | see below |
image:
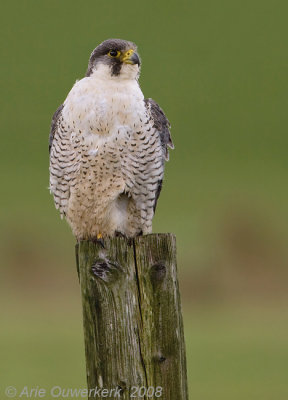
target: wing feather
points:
(62, 167)
(54, 124)
(162, 124)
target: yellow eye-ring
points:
(114, 53)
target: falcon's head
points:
(115, 57)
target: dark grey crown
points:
(100, 54)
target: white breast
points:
(101, 106)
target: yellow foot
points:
(99, 239)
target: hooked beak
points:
(130, 57)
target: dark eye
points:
(114, 53)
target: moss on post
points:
(132, 318)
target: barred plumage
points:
(107, 148)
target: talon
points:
(99, 240)
(120, 234)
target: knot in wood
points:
(162, 359)
(122, 386)
(157, 273)
(159, 358)
(106, 270)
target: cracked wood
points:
(132, 317)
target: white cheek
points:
(102, 70)
(129, 71)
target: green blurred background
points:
(219, 70)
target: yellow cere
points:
(126, 56)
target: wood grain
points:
(132, 319)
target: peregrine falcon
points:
(108, 145)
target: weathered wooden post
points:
(133, 327)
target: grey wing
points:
(62, 161)
(54, 124)
(162, 126)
